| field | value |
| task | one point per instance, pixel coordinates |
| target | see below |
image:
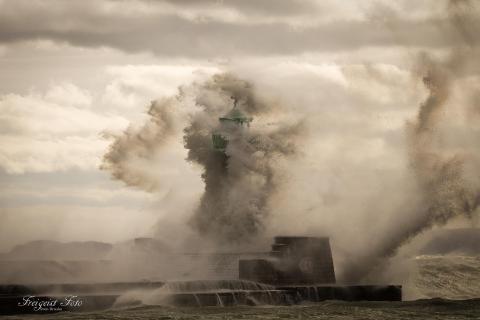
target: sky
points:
(75, 74)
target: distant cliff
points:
(54, 250)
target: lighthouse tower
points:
(234, 120)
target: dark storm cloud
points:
(178, 31)
(264, 7)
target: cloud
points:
(63, 127)
(52, 131)
(131, 84)
(265, 7)
(166, 30)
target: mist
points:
(370, 155)
(442, 167)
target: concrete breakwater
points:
(222, 293)
(296, 270)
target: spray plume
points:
(240, 179)
(142, 143)
(445, 190)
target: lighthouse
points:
(233, 121)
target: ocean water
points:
(448, 277)
(449, 287)
(420, 309)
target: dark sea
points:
(446, 287)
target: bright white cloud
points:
(62, 128)
(134, 85)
